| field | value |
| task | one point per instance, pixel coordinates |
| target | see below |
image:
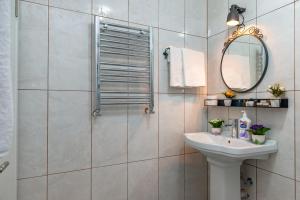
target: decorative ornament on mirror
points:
(242, 30)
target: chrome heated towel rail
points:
(123, 64)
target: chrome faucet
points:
(233, 123)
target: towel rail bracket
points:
(166, 52)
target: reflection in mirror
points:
(244, 63)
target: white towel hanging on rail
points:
(176, 67)
(194, 73)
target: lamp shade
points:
(233, 18)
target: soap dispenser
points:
(244, 125)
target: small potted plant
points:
(229, 94)
(258, 133)
(216, 125)
(277, 91)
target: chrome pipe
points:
(125, 97)
(107, 25)
(125, 103)
(121, 37)
(126, 32)
(123, 43)
(122, 81)
(126, 49)
(123, 54)
(123, 75)
(124, 65)
(125, 70)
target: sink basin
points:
(224, 156)
(229, 148)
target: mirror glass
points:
(244, 63)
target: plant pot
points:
(216, 131)
(275, 103)
(258, 139)
(227, 102)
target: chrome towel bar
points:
(123, 43)
(123, 61)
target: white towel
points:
(176, 70)
(6, 93)
(194, 73)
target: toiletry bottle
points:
(244, 125)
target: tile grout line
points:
(207, 87)
(158, 103)
(91, 101)
(256, 115)
(127, 124)
(184, 104)
(48, 99)
(295, 104)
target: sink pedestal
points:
(224, 179)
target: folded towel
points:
(194, 73)
(175, 63)
(6, 93)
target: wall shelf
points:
(257, 103)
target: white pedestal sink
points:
(225, 156)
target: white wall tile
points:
(69, 50)
(32, 133)
(297, 190)
(33, 46)
(297, 135)
(143, 180)
(69, 136)
(166, 39)
(217, 15)
(116, 9)
(110, 136)
(73, 185)
(171, 15)
(196, 43)
(195, 177)
(171, 178)
(265, 6)
(274, 187)
(171, 124)
(281, 122)
(195, 117)
(196, 17)
(77, 5)
(144, 12)
(280, 46)
(195, 113)
(110, 183)
(249, 5)
(142, 133)
(32, 189)
(214, 55)
(297, 46)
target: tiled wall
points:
(64, 153)
(276, 178)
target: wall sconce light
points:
(233, 17)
